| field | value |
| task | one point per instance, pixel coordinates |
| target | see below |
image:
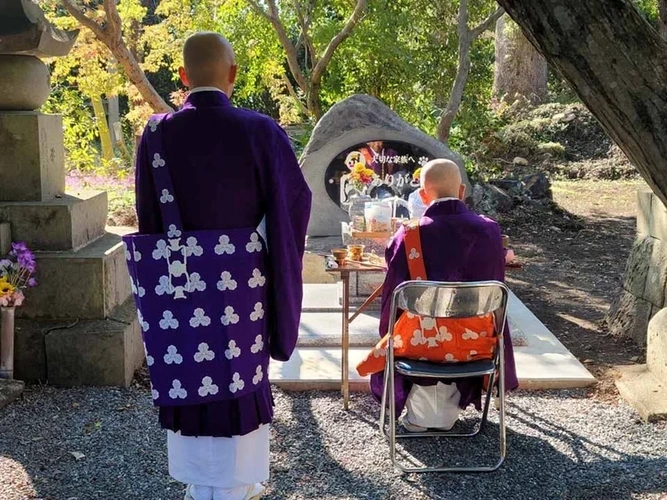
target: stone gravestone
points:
(639, 311)
(352, 124)
(78, 326)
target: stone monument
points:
(78, 326)
(640, 308)
(354, 121)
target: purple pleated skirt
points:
(226, 418)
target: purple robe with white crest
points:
(458, 245)
(229, 170)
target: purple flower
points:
(19, 247)
(32, 282)
(5, 264)
(27, 260)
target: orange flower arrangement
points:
(361, 177)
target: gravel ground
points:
(561, 445)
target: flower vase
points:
(357, 207)
(7, 342)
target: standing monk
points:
(211, 168)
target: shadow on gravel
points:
(545, 460)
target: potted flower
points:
(16, 274)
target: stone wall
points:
(645, 281)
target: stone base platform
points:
(10, 390)
(643, 391)
(102, 352)
(542, 361)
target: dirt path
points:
(573, 267)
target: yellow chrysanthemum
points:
(5, 287)
(359, 167)
(416, 174)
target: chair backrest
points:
(440, 299)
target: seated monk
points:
(449, 243)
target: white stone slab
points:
(324, 329)
(317, 369)
(544, 363)
(321, 298)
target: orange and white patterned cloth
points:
(445, 340)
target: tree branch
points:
(290, 89)
(487, 23)
(114, 22)
(292, 58)
(78, 14)
(337, 40)
(304, 24)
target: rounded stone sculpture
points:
(25, 83)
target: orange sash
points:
(444, 340)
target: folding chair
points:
(447, 300)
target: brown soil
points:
(573, 255)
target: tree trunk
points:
(617, 64)
(662, 21)
(456, 95)
(520, 70)
(102, 127)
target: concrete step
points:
(84, 284)
(61, 224)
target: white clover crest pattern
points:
(204, 353)
(199, 318)
(237, 383)
(230, 317)
(128, 255)
(258, 345)
(177, 391)
(257, 279)
(173, 231)
(449, 357)
(428, 323)
(379, 352)
(444, 335)
(258, 313)
(149, 360)
(154, 394)
(164, 286)
(418, 338)
(398, 342)
(144, 324)
(469, 335)
(254, 245)
(152, 124)
(168, 321)
(137, 255)
(208, 387)
(158, 161)
(195, 283)
(233, 350)
(177, 268)
(166, 197)
(472, 354)
(259, 375)
(414, 254)
(224, 246)
(227, 282)
(192, 247)
(173, 356)
(161, 250)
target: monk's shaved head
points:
(208, 60)
(441, 179)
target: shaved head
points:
(208, 61)
(441, 179)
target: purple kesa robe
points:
(230, 167)
(458, 245)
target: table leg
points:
(346, 339)
(367, 302)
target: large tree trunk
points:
(662, 21)
(520, 70)
(617, 64)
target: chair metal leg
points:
(392, 410)
(502, 430)
(383, 408)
